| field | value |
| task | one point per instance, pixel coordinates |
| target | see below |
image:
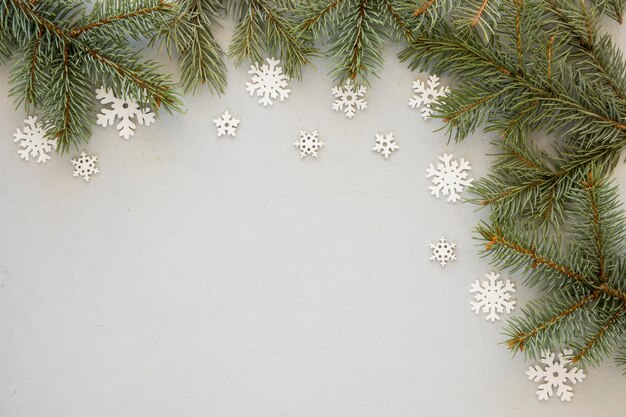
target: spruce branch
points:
(355, 32)
(586, 283)
(267, 27)
(63, 53)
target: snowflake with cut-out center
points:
(268, 82)
(385, 144)
(493, 296)
(34, 141)
(450, 177)
(123, 109)
(443, 252)
(427, 94)
(226, 124)
(85, 166)
(309, 144)
(556, 372)
(349, 98)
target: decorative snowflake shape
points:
(34, 141)
(309, 144)
(443, 251)
(85, 166)
(385, 144)
(124, 110)
(348, 99)
(556, 374)
(492, 296)
(449, 177)
(226, 124)
(427, 94)
(268, 82)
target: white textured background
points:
(197, 276)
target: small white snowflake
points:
(443, 251)
(268, 82)
(226, 124)
(556, 373)
(385, 144)
(123, 109)
(309, 144)
(85, 166)
(348, 99)
(492, 296)
(449, 177)
(34, 141)
(425, 95)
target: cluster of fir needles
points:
(543, 67)
(60, 53)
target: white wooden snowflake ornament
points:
(385, 144)
(449, 177)
(349, 99)
(123, 109)
(426, 94)
(85, 166)
(556, 372)
(226, 124)
(443, 252)
(268, 82)
(33, 141)
(492, 296)
(309, 144)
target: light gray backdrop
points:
(197, 276)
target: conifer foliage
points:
(63, 53)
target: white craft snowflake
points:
(426, 94)
(443, 252)
(268, 82)
(85, 166)
(449, 177)
(123, 109)
(556, 373)
(492, 296)
(226, 124)
(348, 99)
(33, 141)
(309, 144)
(385, 144)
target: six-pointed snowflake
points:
(427, 94)
(268, 82)
(226, 124)
(34, 141)
(492, 296)
(443, 251)
(309, 144)
(348, 99)
(556, 373)
(449, 178)
(385, 144)
(85, 166)
(123, 109)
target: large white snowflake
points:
(556, 373)
(492, 296)
(309, 144)
(443, 252)
(123, 109)
(426, 94)
(85, 166)
(268, 82)
(226, 124)
(34, 141)
(449, 177)
(385, 144)
(349, 99)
